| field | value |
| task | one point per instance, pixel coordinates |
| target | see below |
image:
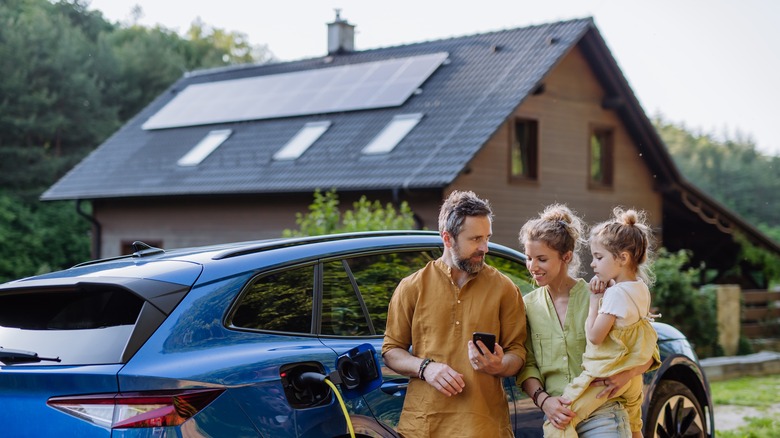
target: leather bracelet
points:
(536, 394)
(541, 405)
(423, 366)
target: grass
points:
(758, 392)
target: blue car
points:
(216, 341)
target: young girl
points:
(619, 334)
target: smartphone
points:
(489, 339)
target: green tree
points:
(69, 80)
(732, 171)
(324, 216)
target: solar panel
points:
(368, 85)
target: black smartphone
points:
(489, 339)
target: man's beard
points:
(465, 264)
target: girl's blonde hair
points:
(628, 232)
(560, 229)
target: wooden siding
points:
(194, 221)
(567, 109)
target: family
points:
(577, 348)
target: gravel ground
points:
(728, 417)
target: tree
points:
(69, 80)
(324, 216)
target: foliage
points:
(677, 298)
(69, 80)
(770, 262)
(732, 171)
(33, 241)
(324, 216)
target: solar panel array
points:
(379, 84)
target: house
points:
(524, 117)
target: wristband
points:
(423, 366)
(536, 394)
(541, 406)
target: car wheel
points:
(674, 412)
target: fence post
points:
(729, 311)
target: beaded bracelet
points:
(423, 365)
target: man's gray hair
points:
(457, 207)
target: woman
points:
(556, 313)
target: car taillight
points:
(132, 410)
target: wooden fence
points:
(760, 314)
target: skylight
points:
(378, 84)
(302, 140)
(204, 148)
(392, 134)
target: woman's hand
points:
(557, 411)
(612, 384)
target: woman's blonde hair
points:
(560, 229)
(628, 232)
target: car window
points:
(342, 313)
(67, 324)
(513, 269)
(281, 301)
(378, 275)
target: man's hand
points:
(442, 377)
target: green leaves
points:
(324, 216)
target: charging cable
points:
(312, 376)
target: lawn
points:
(762, 393)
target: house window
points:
(302, 141)
(204, 148)
(524, 151)
(392, 134)
(601, 157)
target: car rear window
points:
(84, 326)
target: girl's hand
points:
(597, 286)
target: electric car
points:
(216, 341)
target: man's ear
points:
(447, 238)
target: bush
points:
(683, 305)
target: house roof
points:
(462, 103)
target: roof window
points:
(392, 134)
(204, 148)
(302, 140)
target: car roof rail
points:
(296, 241)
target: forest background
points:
(70, 79)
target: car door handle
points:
(396, 387)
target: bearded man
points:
(456, 386)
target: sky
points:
(710, 65)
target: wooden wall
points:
(567, 109)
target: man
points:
(456, 391)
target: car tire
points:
(674, 411)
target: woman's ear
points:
(567, 257)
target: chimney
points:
(341, 36)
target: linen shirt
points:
(555, 353)
(430, 314)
